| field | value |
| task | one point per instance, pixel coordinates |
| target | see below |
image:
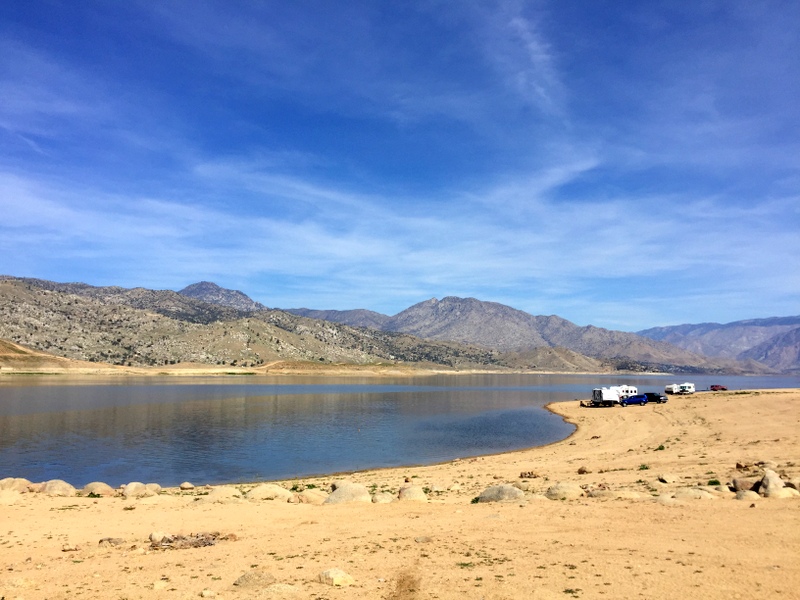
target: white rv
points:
(686, 388)
(609, 396)
(672, 388)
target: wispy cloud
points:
(628, 172)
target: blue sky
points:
(621, 164)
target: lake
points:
(237, 429)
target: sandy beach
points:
(629, 535)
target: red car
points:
(718, 388)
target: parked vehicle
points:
(718, 388)
(655, 397)
(672, 388)
(686, 388)
(609, 396)
(640, 399)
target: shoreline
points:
(626, 533)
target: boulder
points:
(17, 484)
(255, 579)
(784, 492)
(347, 491)
(564, 491)
(98, 488)
(413, 492)
(335, 577)
(269, 491)
(746, 484)
(667, 478)
(187, 486)
(383, 498)
(135, 489)
(222, 495)
(309, 496)
(58, 487)
(153, 489)
(614, 494)
(692, 493)
(771, 482)
(501, 493)
(747, 495)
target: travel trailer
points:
(609, 396)
(672, 388)
(686, 388)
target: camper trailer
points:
(686, 388)
(672, 388)
(609, 396)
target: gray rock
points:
(269, 491)
(413, 492)
(98, 488)
(153, 489)
(222, 495)
(771, 482)
(785, 492)
(310, 496)
(747, 495)
(136, 489)
(335, 577)
(522, 485)
(693, 493)
(58, 487)
(157, 537)
(255, 579)
(383, 498)
(16, 484)
(347, 491)
(501, 493)
(746, 484)
(186, 486)
(564, 491)
(667, 478)
(614, 494)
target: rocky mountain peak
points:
(212, 293)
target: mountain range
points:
(204, 323)
(774, 342)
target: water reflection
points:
(225, 431)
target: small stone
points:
(335, 577)
(583, 471)
(667, 478)
(157, 537)
(255, 579)
(208, 593)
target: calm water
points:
(217, 430)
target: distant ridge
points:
(774, 341)
(358, 317)
(505, 329)
(142, 327)
(214, 294)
